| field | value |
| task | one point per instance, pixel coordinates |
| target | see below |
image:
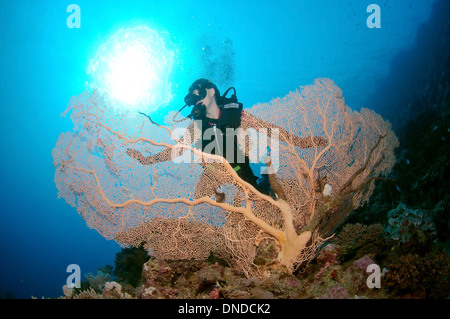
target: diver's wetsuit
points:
(208, 144)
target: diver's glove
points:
(141, 158)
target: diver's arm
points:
(250, 121)
(149, 160)
(166, 154)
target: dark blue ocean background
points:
(264, 48)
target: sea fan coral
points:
(315, 141)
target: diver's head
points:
(202, 91)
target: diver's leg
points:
(261, 184)
(207, 184)
(245, 172)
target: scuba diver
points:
(213, 115)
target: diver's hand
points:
(320, 141)
(137, 155)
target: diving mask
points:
(192, 99)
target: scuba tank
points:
(230, 111)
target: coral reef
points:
(128, 265)
(331, 275)
(410, 227)
(414, 276)
(360, 238)
(98, 281)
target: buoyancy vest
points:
(219, 135)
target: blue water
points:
(275, 47)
